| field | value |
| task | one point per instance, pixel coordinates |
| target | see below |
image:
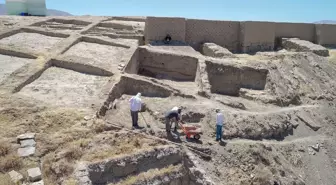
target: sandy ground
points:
(100, 54)
(65, 87)
(127, 23)
(33, 42)
(9, 64)
(60, 27)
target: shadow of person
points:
(192, 140)
(173, 137)
(222, 143)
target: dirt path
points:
(274, 142)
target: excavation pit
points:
(105, 56)
(9, 64)
(160, 64)
(62, 25)
(32, 42)
(64, 87)
(226, 78)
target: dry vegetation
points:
(150, 174)
(332, 57)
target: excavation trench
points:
(168, 165)
(228, 79)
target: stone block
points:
(304, 46)
(15, 176)
(38, 183)
(27, 151)
(27, 143)
(216, 51)
(26, 136)
(34, 174)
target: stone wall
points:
(156, 28)
(247, 36)
(223, 33)
(257, 36)
(302, 31)
(326, 34)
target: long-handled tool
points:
(148, 126)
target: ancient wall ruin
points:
(257, 36)
(302, 31)
(247, 36)
(224, 33)
(325, 34)
(156, 28)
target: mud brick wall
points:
(223, 33)
(302, 31)
(174, 66)
(326, 34)
(156, 28)
(257, 36)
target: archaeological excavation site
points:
(66, 82)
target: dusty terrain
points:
(68, 79)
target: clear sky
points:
(264, 10)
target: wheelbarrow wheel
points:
(197, 136)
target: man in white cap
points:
(174, 115)
(219, 124)
(135, 103)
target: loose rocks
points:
(27, 151)
(15, 176)
(34, 174)
(27, 144)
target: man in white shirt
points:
(219, 124)
(135, 103)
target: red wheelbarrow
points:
(194, 131)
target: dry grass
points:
(70, 182)
(332, 57)
(10, 162)
(60, 165)
(150, 174)
(5, 180)
(54, 170)
(119, 145)
(4, 148)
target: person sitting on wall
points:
(167, 39)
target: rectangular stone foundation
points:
(33, 42)
(64, 87)
(9, 64)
